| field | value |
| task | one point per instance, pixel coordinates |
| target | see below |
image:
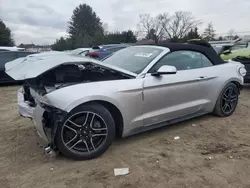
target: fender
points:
(90, 99)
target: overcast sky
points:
(41, 22)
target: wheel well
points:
(239, 86)
(116, 114)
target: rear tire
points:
(86, 132)
(227, 101)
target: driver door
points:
(171, 96)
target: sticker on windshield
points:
(143, 54)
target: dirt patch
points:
(211, 152)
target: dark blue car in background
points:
(103, 51)
(6, 56)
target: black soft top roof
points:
(209, 52)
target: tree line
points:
(85, 29)
(5, 35)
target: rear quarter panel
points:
(223, 74)
(218, 77)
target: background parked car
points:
(100, 52)
(225, 48)
(241, 55)
(229, 54)
(10, 48)
(79, 51)
(7, 56)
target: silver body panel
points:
(147, 101)
(37, 120)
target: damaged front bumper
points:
(45, 118)
(24, 108)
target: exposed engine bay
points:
(66, 75)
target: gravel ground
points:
(211, 152)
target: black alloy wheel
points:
(86, 132)
(227, 100)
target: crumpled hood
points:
(31, 67)
(31, 57)
(13, 63)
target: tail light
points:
(93, 54)
(242, 71)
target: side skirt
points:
(164, 123)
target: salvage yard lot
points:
(211, 152)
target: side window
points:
(23, 54)
(205, 61)
(183, 60)
(6, 57)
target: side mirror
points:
(226, 52)
(165, 69)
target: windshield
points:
(133, 59)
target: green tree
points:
(86, 29)
(5, 35)
(192, 34)
(118, 37)
(129, 36)
(84, 26)
(61, 44)
(209, 32)
(235, 37)
(220, 38)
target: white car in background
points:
(10, 48)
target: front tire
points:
(86, 132)
(227, 101)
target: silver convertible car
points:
(79, 105)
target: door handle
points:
(201, 78)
